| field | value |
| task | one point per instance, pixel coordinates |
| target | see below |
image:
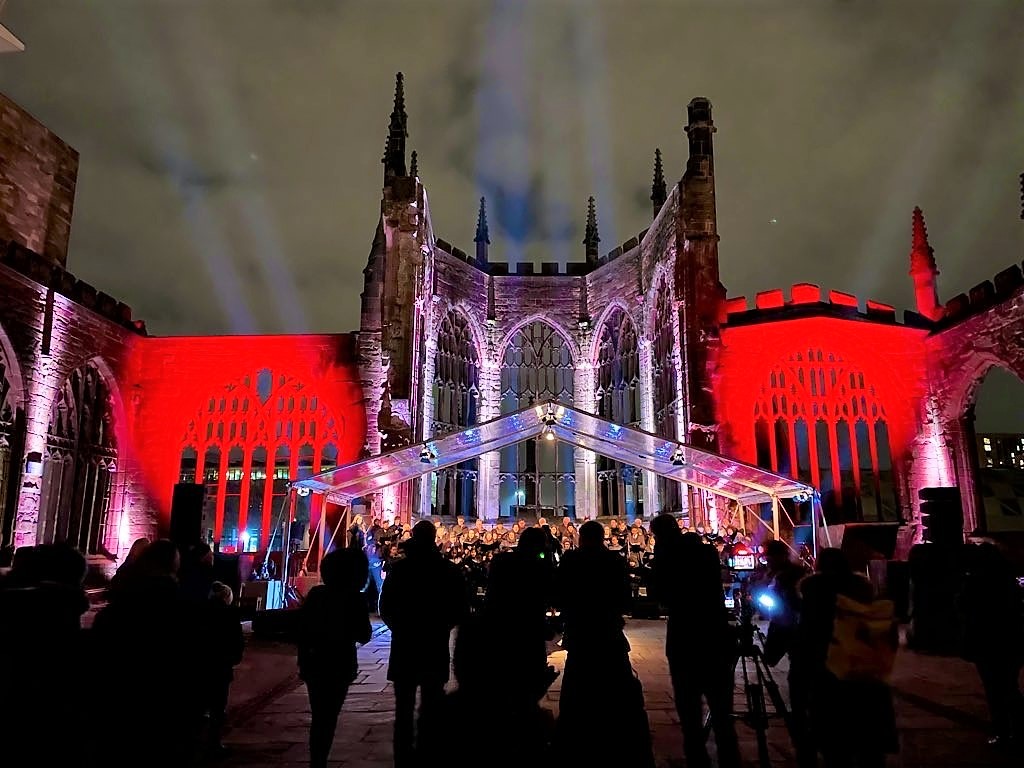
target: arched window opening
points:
(617, 395)
(80, 462)
(250, 536)
(456, 391)
(279, 497)
(535, 478)
(211, 481)
(666, 396)
(842, 457)
(187, 465)
(304, 504)
(992, 427)
(233, 482)
(260, 409)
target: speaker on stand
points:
(935, 572)
(187, 514)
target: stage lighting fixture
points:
(427, 455)
(548, 433)
(302, 491)
(678, 459)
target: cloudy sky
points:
(230, 149)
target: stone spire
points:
(590, 237)
(659, 193)
(922, 257)
(394, 149)
(483, 237)
(923, 270)
(413, 167)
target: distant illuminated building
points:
(1001, 451)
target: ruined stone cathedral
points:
(100, 418)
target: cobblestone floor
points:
(940, 709)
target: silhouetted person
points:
(853, 722)
(994, 638)
(223, 645)
(598, 684)
(332, 620)
(356, 534)
(782, 580)
(699, 643)
(519, 595)
(143, 646)
(528, 725)
(423, 598)
(42, 705)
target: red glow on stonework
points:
(831, 401)
(270, 404)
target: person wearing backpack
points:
(847, 642)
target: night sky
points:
(230, 150)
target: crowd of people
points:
(148, 683)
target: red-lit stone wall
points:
(188, 391)
(50, 325)
(37, 184)
(799, 361)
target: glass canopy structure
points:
(742, 483)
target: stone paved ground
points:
(940, 710)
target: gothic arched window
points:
(829, 429)
(536, 478)
(250, 438)
(665, 380)
(618, 400)
(456, 391)
(80, 462)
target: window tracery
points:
(817, 419)
(456, 391)
(618, 400)
(79, 465)
(537, 477)
(252, 438)
(665, 380)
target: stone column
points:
(652, 503)
(39, 399)
(487, 483)
(429, 362)
(585, 462)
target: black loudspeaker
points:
(934, 573)
(226, 570)
(187, 514)
(942, 516)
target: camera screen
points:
(744, 563)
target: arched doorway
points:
(994, 437)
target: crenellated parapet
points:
(46, 273)
(809, 300)
(983, 296)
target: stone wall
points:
(38, 172)
(53, 324)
